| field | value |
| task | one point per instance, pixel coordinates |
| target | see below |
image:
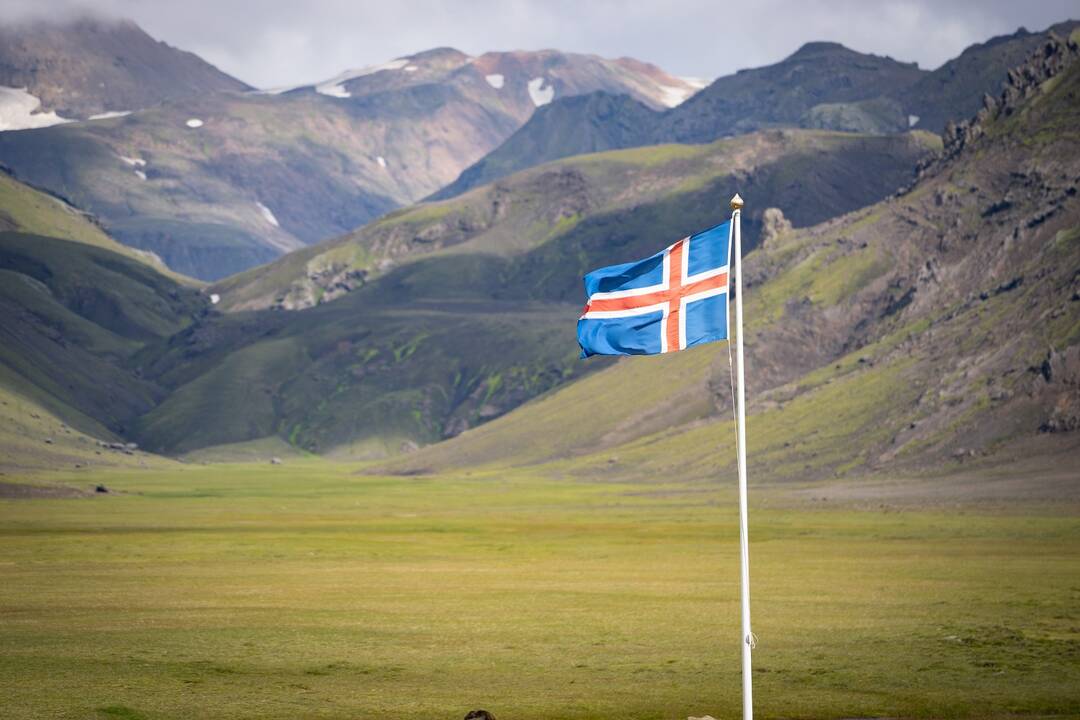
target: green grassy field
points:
(308, 591)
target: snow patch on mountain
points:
(19, 111)
(912, 120)
(194, 123)
(411, 68)
(267, 214)
(140, 174)
(109, 114)
(496, 81)
(133, 161)
(539, 94)
(381, 160)
(672, 95)
(335, 86)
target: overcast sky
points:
(282, 42)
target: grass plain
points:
(306, 590)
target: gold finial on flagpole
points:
(736, 202)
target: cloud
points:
(282, 42)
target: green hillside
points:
(24, 209)
(909, 322)
(905, 334)
(365, 382)
(583, 210)
(73, 316)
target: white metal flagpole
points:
(744, 542)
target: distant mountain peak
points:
(88, 65)
(440, 53)
(820, 47)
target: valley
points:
(293, 421)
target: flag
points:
(671, 301)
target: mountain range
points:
(822, 85)
(936, 328)
(916, 291)
(214, 178)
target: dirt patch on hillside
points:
(1050, 478)
(22, 491)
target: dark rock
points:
(101, 489)
(1009, 286)
(479, 715)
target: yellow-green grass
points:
(304, 590)
(33, 438)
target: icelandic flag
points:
(671, 301)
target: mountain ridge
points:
(218, 182)
(905, 98)
(938, 327)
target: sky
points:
(272, 43)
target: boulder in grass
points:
(479, 715)
(275, 461)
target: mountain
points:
(26, 210)
(76, 306)
(577, 125)
(73, 314)
(955, 91)
(817, 74)
(405, 359)
(937, 328)
(523, 80)
(51, 72)
(822, 85)
(217, 182)
(555, 211)
(803, 90)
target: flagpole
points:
(744, 542)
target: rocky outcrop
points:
(1050, 59)
(773, 226)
